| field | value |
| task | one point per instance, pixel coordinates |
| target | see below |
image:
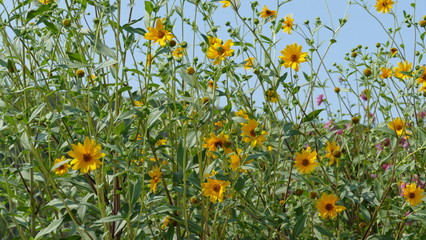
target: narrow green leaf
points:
(113, 218)
(36, 111)
(312, 115)
(299, 226)
(52, 226)
(149, 7)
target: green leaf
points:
(239, 185)
(34, 13)
(25, 141)
(149, 7)
(106, 64)
(52, 226)
(299, 226)
(103, 49)
(113, 218)
(155, 115)
(36, 111)
(312, 115)
(323, 231)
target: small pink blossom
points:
(320, 99)
(364, 97)
(402, 187)
(386, 166)
(339, 132)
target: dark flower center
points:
(398, 127)
(87, 157)
(253, 133)
(305, 162)
(294, 58)
(268, 12)
(218, 144)
(412, 195)
(161, 34)
(216, 188)
(329, 207)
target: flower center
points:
(87, 157)
(384, 4)
(161, 34)
(268, 12)
(398, 127)
(305, 162)
(329, 207)
(218, 144)
(253, 133)
(412, 195)
(294, 58)
(216, 188)
(220, 50)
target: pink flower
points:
(320, 99)
(386, 166)
(364, 97)
(423, 114)
(328, 125)
(403, 185)
(339, 132)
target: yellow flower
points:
(165, 222)
(149, 59)
(292, 56)
(161, 142)
(86, 157)
(213, 143)
(61, 170)
(218, 51)
(386, 72)
(288, 24)
(306, 161)
(214, 40)
(272, 96)
(241, 113)
(402, 67)
(159, 33)
(225, 3)
(137, 104)
(179, 52)
(398, 125)
(44, 2)
(413, 194)
(215, 189)
(212, 84)
(334, 152)
(383, 6)
(219, 124)
(423, 88)
(327, 207)
(422, 78)
(268, 13)
(250, 135)
(249, 63)
(393, 51)
(235, 160)
(155, 175)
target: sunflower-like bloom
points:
(403, 67)
(249, 63)
(63, 168)
(219, 51)
(386, 73)
(271, 95)
(265, 13)
(288, 23)
(179, 52)
(225, 3)
(422, 78)
(235, 161)
(213, 143)
(384, 6)
(241, 113)
(333, 152)
(413, 194)
(327, 207)
(292, 56)
(44, 2)
(159, 33)
(155, 175)
(393, 51)
(250, 135)
(215, 189)
(399, 126)
(305, 161)
(86, 157)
